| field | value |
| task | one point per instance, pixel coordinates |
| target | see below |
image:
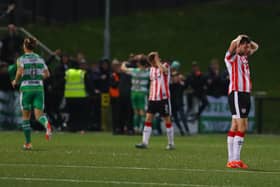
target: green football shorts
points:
(139, 100)
(32, 100)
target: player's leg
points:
(239, 141)
(38, 104)
(230, 139)
(147, 128)
(26, 113)
(232, 131)
(169, 133)
(165, 112)
(135, 114)
(243, 103)
(141, 109)
(146, 132)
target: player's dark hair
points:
(30, 43)
(143, 61)
(245, 40)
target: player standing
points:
(158, 100)
(236, 60)
(31, 70)
(139, 90)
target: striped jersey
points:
(159, 84)
(34, 66)
(239, 73)
(140, 79)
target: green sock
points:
(136, 120)
(26, 130)
(43, 120)
(142, 121)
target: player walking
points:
(31, 70)
(236, 60)
(158, 100)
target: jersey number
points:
(33, 72)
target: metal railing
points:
(40, 44)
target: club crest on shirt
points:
(243, 110)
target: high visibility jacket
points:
(114, 90)
(74, 83)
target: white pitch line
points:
(140, 168)
(101, 182)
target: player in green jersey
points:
(31, 71)
(139, 90)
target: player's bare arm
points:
(123, 67)
(19, 74)
(161, 67)
(233, 45)
(254, 47)
(46, 73)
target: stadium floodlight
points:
(107, 30)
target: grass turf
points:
(100, 159)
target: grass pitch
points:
(100, 159)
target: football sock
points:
(142, 121)
(27, 131)
(43, 120)
(230, 139)
(237, 144)
(147, 132)
(136, 120)
(170, 133)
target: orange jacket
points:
(114, 89)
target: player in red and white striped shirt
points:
(159, 100)
(159, 86)
(236, 60)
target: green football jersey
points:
(34, 66)
(140, 79)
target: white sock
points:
(230, 148)
(237, 145)
(170, 135)
(146, 134)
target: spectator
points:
(115, 97)
(126, 113)
(225, 82)
(177, 88)
(93, 78)
(214, 79)
(104, 69)
(75, 95)
(11, 45)
(197, 83)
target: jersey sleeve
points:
(20, 63)
(45, 66)
(229, 57)
(131, 71)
